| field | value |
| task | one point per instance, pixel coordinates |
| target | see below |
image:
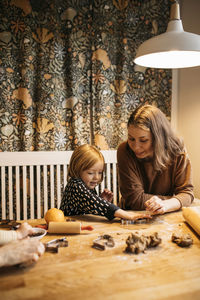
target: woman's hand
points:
(21, 251)
(130, 215)
(107, 195)
(157, 206)
(24, 230)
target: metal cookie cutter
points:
(102, 241)
(54, 245)
(129, 222)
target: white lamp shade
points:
(173, 49)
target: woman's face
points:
(93, 176)
(140, 141)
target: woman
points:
(154, 168)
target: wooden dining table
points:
(81, 271)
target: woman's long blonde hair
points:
(166, 144)
(83, 158)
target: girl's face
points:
(93, 176)
(140, 141)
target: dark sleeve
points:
(131, 180)
(79, 200)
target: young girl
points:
(85, 173)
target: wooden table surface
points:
(82, 272)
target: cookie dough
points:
(182, 240)
(137, 243)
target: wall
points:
(188, 98)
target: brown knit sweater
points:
(139, 181)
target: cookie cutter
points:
(129, 222)
(55, 244)
(103, 241)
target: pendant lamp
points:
(171, 50)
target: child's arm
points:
(130, 215)
(79, 200)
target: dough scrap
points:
(182, 240)
(137, 243)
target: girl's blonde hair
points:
(83, 158)
(166, 144)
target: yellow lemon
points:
(54, 215)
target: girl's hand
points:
(130, 215)
(24, 230)
(107, 195)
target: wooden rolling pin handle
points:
(43, 226)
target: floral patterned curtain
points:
(67, 75)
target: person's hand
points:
(130, 215)
(136, 216)
(157, 206)
(107, 195)
(20, 251)
(24, 230)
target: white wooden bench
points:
(33, 182)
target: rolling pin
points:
(192, 217)
(67, 227)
